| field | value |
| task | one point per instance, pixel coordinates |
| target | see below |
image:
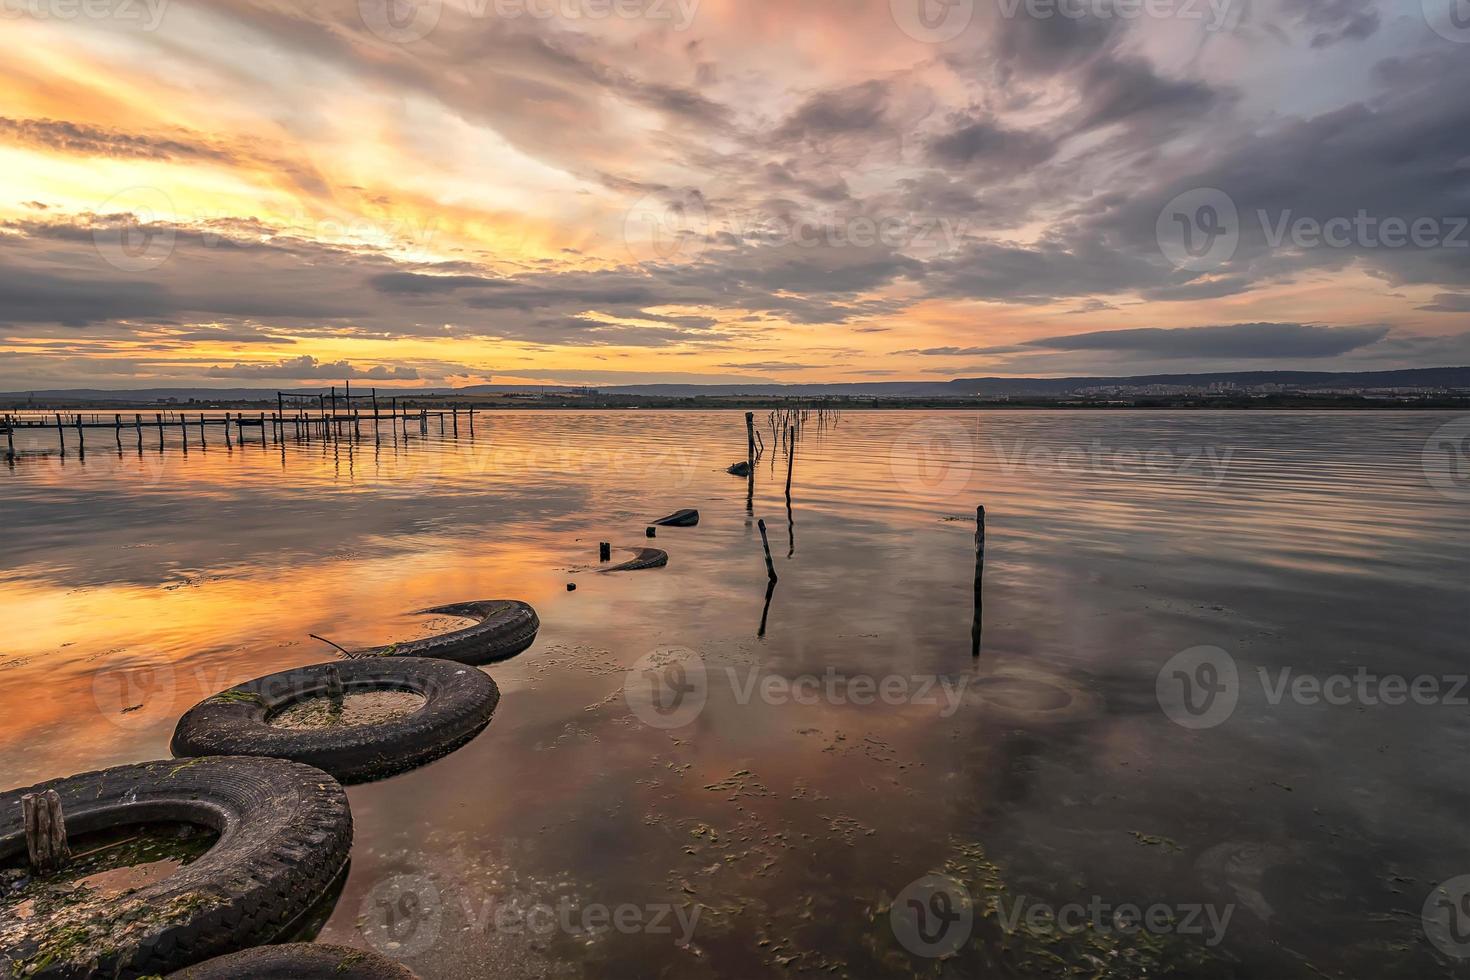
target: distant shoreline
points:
(1282, 402)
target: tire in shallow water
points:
(503, 628)
(298, 961)
(682, 518)
(646, 558)
(460, 701)
(284, 834)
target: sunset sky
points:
(268, 193)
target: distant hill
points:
(1445, 377)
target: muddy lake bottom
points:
(783, 814)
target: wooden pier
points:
(230, 427)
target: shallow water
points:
(740, 826)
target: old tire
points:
(284, 835)
(461, 700)
(646, 558)
(680, 518)
(298, 961)
(503, 628)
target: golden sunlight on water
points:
(136, 584)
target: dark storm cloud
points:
(1332, 21)
(983, 143)
(1237, 341)
(306, 366)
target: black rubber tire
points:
(741, 468)
(646, 558)
(298, 961)
(682, 518)
(461, 700)
(284, 834)
(503, 628)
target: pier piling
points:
(45, 825)
(975, 625)
(766, 547)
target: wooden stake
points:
(138, 428)
(604, 551)
(790, 459)
(45, 826)
(335, 691)
(975, 625)
(766, 547)
(60, 434)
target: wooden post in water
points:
(158, 419)
(117, 431)
(45, 828)
(975, 625)
(472, 423)
(60, 434)
(455, 409)
(263, 439)
(228, 444)
(766, 547)
(790, 459)
(203, 440)
(335, 690)
(750, 438)
(10, 441)
(183, 432)
(138, 428)
(604, 551)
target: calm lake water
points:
(772, 805)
